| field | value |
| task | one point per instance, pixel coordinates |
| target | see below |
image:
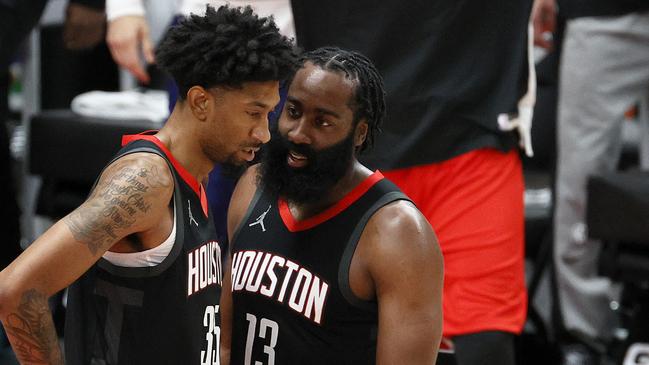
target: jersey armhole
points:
(350, 249)
(180, 230)
(150, 257)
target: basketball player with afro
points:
(141, 252)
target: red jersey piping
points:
(294, 225)
(184, 174)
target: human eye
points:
(292, 111)
(323, 122)
(254, 114)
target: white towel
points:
(151, 105)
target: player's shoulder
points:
(140, 158)
(242, 196)
(146, 165)
(399, 236)
(399, 225)
(247, 185)
(143, 173)
(399, 215)
(251, 176)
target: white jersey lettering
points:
(292, 266)
(257, 272)
(254, 281)
(204, 267)
(276, 260)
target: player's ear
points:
(360, 134)
(198, 100)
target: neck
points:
(179, 135)
(354, 176)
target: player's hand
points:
(127, 35)
(544, 18)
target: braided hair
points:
(369, 95)
(227, 47)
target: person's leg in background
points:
(474, 202)
(597, 85)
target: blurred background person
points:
(603, 72)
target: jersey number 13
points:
(268, 331)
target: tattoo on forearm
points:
(115, 204)
(31, 331)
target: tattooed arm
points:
(32, 331)
(131, 197)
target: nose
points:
(298, 134)
(261, 132)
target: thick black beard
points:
(308, 184)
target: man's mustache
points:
(302, 149)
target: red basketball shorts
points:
(474, 202)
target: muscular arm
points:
(131, 197)
(404, 264)
(241, 198)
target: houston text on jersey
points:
(281, 279)
(204, 267)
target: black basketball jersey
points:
(292, 303)
(164, 314)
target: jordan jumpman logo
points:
(191, 216)
(260, 220)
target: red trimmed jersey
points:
(292, 303)
(163, 314)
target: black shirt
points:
(583, 8)
(450, 68)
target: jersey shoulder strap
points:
(391, 193)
